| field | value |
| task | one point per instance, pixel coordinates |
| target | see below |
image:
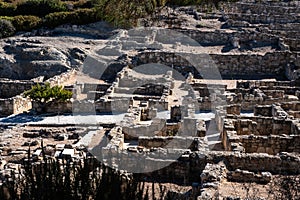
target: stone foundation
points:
(15, 105)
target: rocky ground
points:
(42, 54)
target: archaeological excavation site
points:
(195, 102)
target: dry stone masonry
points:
(151, 102)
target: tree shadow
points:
(21, 118)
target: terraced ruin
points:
(203, 100)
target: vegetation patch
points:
(26, 22)
(6, 28)
(27, 15)
(80, 16)
(46, 93)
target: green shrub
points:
(85, 16)
(40, 7)
(9, 18)
(7, 9)
(6, 28)
(125, 12)
(80, 16)
(82, 4)
(46, 93)
(26, 23)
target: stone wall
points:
(251, 64)
(85, 106)
(261, 125)
(232, 127)
(186, 168)
(292, 69)
(237, 64)
(258, 8)
(272, 144)
(233, 109)
(249, 101)
(113, 105)
(250, 177)
(116, 138)
(53, 107)
(262, 84)
(263, 135)
(219, 37)
(155, 90)
(15, 105)
(294, 44)
(135, 131)
(6, 107)
(172, 60)
(21, 104)
(263, 110)
(63, 78)
(264, 18)
(258, 162)
(172, 142)
(10, 88)
(292, 108)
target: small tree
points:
(43, 94)
(6, 28)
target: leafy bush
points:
(40, 7)
(80, 16)
(6, 28)
(46, 93)
(26, 22)
(82, 4)
(125, 12)
(7, 9)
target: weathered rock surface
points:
(50, 52)
(27, 58)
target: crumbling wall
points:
(258, 125)
(258, 162)
(10, 88)
(21, 104)
(172, 142)
(53, 107)
(6, 107)
(219, 37)
(132, 131)
(63, 78)
(263, 110)
(272, 144)
(264, 18)
(237, 64)
(15, 105)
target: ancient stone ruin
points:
(203, 98)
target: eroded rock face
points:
(27, 58)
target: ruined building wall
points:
(15, 105)
(241, 64)
(11, 88)
(270, 144)
(225, 38)
(188, 167)
(63, 78)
